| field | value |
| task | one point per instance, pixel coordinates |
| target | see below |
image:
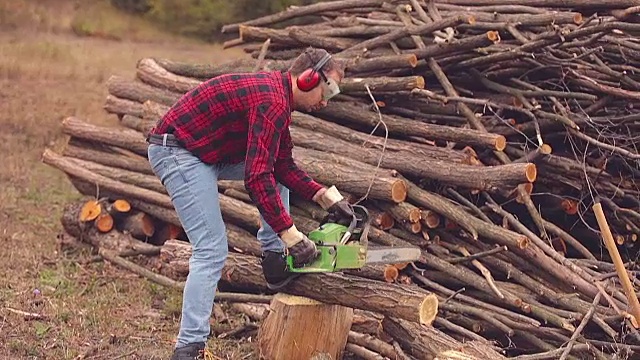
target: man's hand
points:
(331, 200)
(299, 246)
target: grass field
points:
(54, 61)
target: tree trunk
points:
(139, 165)
(137, 223)
(88, 233)
(344, 177)
(153, 74)
(355, 114)
(233, 210)
(207, 71)
(302, 328)
(121, 107)
(120, 137)
(138, 91)
(319, 125)
(244, 271)
(489, 178)
(427, 343)
(352, 85)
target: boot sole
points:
(282, 284)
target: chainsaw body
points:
(341, 246)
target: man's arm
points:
(266, 124)
(289, 174)
(296, 179)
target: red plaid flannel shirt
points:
(244, 117)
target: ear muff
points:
(310, 78)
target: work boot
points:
(194, 351)
(274, 268)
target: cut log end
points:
(492, 35)
(523, 242)
(415, 228)
(569, 206)
(430, 218)
(545, 149)
(121, 205)
(104, 222)
(420, 83)
(391, 273)
(501, 143)
(413, 60)
(90, 211)
(300, 328)
(531, 172)
(399, 191)
(428, 310)
(578, 18)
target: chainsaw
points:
(346, 246)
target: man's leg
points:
(193, 188)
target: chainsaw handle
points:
(364, 220)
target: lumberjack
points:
(236, 126)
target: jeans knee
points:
(212, 253)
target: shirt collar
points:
(288, 88)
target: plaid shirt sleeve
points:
(289, 174)
(268, 129)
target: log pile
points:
(480, 131)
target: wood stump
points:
(305, 329)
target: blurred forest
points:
(203, 18)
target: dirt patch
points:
(48, 72)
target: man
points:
(236, 126)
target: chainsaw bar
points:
(392, 255)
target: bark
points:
(123, 138)
(576, 4)
(491, 178)
(352, 85)
(427, 343)
(320, 125)
(295, 37)
(86, 232)
(383, 187)
(301, 11)
(398, 126)
(121, 107)
(233, 210)
(207, 71)
(138, 91)
(456, 45)
(148, 71)
(301, 328)
(407, 302)
(138, 124)
(137, 223)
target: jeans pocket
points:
(157, 156)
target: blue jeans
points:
(193, 188)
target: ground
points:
(54, 61)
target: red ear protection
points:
(310, 78)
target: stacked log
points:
(481, 132)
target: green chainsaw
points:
(346, 247)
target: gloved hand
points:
(299, 246)
(336, 205)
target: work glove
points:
(299, 246)
(335, 204)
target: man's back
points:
(214, 119)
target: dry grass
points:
(48, 72)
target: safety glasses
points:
(329, 88)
